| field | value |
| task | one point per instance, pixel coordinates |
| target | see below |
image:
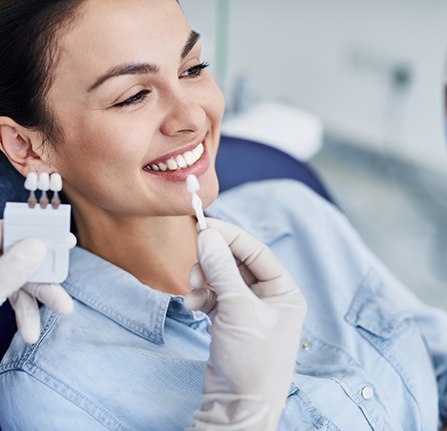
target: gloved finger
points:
(27, 315)
(256, 256)
(202, 299)
(196, 277)
(19, 263)
(54, 296)
(219, 266)
(71, 241)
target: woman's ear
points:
(19, 144)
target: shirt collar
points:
(117, 294)
(245, 206)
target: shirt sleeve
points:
(28, 404)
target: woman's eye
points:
(194, 70)
(133, 100)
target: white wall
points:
(333, 57)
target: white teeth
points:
(172, 165)
(181, 161)
(189, 158)
(198, 151)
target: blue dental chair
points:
(238, 161)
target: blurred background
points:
(355, 88)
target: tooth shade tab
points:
(192, 184)
(31, 182)
(55, 182)
(44, 181)
(181, 161)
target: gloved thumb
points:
(202, 299)
(19, 263)
(219, 266)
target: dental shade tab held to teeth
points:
(50, 224)
(193, 186)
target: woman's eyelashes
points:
(133, 100)
(195, 70)
(141, 96)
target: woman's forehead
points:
(114, 27)
(110, 32)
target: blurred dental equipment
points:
(280, 125)
(193, 186)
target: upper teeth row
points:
(181, 161)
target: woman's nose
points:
(183, 114)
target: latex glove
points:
(255, 333)
(16, 267)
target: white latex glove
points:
(16, 267)
(255, 332)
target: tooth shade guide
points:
(55, 201)
(44, 181)
(55, 182)
(31, 185)
(31, 182)
(192, 184)
(32, 201)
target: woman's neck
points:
(158, 251)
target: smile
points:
(179, 162)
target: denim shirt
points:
(129, 358)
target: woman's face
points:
(134, 107)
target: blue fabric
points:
(238, 161)
(373, 356)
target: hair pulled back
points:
(28, 56)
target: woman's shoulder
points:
(283, 205)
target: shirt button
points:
(306, 345)
(367, 392)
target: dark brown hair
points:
(28, 55)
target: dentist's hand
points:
(258, 315)
(16, 268)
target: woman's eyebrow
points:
(124, 69)
(142, 68)
(192, 40)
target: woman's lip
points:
(174, 154)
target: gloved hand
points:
(16, 267)
(255, 332)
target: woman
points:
(114, 97)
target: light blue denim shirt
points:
(129, 358)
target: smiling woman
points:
(127, 110)
(115, 96)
